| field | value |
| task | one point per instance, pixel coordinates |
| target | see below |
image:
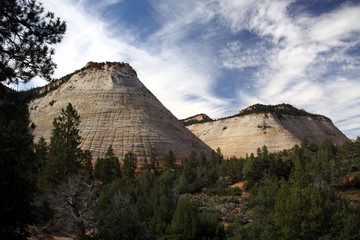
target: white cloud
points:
(237, 56)
(304, 51)
(335, 27)
(178, 62)
(172, 72)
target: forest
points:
(56, 189)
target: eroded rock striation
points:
(278, 127)
(115, 109)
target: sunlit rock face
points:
(277, 129)
(115, 109)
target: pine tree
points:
(16, 177)
(170, 159)
(41, 152)
(130, 163)
(64, 158)
(87, 174)
(26, 34)
(107, 169)
(302, 210)
(185, 223)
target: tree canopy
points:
(26, 33)
(65, 155)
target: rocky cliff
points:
(278, 127)
(115, 109)
(199, 118)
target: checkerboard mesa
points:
(116, 109)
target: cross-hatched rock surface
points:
(243, 134)
(115, 109)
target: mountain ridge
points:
(276, 126)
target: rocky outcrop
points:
(199, 118)
(278, 127)
(115, 109)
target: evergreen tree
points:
(26, 34)
(185, 223)
(302, 210)
(151, 165)
(163, 202)
(117, 213)
(130, 163)
(16, 170)
(107, 169)
(169, 162)
(41, 152)
(87, 174)
(64, 158)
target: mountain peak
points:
(276, 126)
(115, 109)
(198, 118)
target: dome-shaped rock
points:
(115, 109)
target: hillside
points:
(278, 127)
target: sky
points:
(220, 56)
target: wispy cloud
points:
(175, 72)
(299, 68)
(309, 60)
(237, 56)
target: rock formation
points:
(115, 109)
(199, 118)
(278, 127)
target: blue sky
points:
(219, 56)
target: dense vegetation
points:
(17, 165)
(294, 193)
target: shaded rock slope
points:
(115, 109)
(278, 127)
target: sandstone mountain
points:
(115, 109)
(278, 127)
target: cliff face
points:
(281, 129)
(115, 109)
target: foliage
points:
(41, 153)
(73, 204)
(130, 163)
(231, 170)
(170, 161)
(107, 169)
(185, 221)
(18, 167)
(118, 214)
(293, 193)
(87, 168)
(303, 205)
(151, 165)
(64, 157)
(26, 34)
(188, 223)
(266, 164)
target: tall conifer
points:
(64, 156)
